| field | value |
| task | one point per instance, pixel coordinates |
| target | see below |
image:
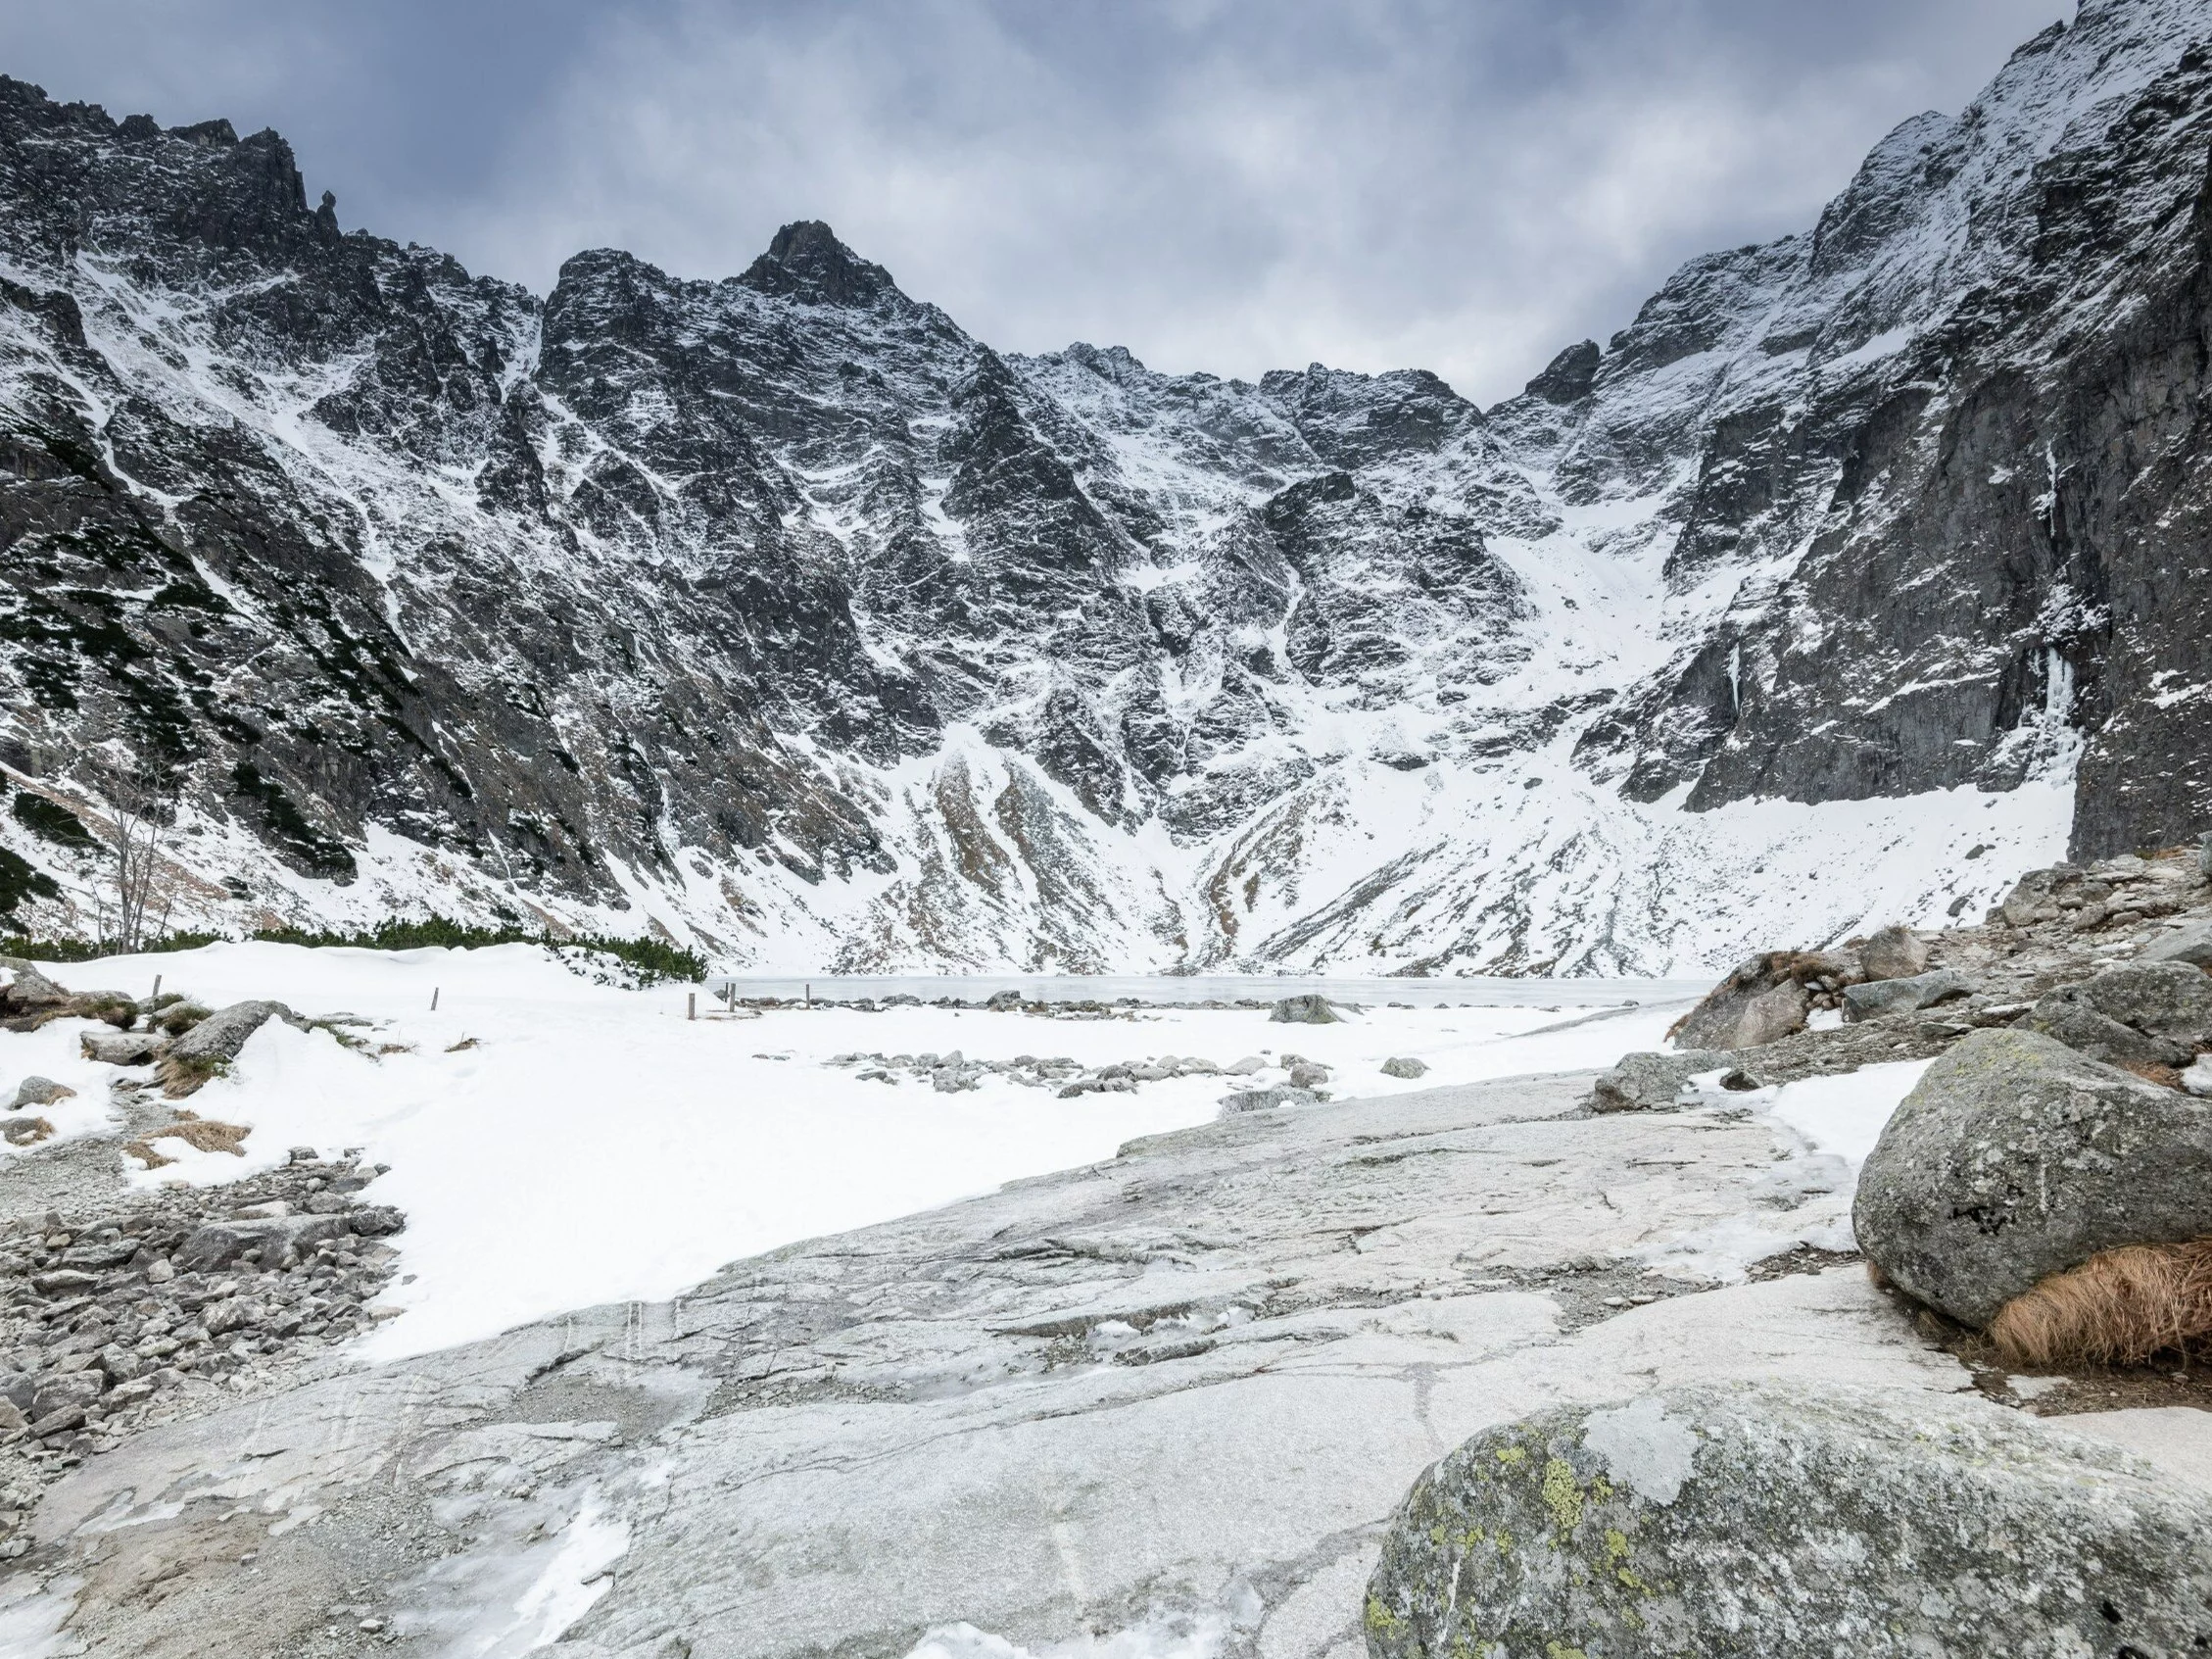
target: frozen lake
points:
(1173, 990)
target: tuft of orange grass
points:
(2117, 1309)
(202, 1133)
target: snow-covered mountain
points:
(1862, 572)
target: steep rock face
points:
(780, 612)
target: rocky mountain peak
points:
(806, 262)
(781, 610)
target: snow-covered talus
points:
(1851, 578)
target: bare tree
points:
(143, 891)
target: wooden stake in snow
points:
(157, 996)
(691, 1004)
(810, 994)
(433, 999)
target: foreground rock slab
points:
(1760, 1520)
(1192, 1381)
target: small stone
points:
(1248, 1066)
(1265, 1100)
(160, 1271)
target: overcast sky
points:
(1463, 185)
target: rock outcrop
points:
(1755, 1521)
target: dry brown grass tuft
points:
(27, 1130)
(144, 1153)
(202, 1133)
(2117, 1309)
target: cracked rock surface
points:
(1191, 1382)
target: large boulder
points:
(1763, 998)
(40, 1092)
(1894, 953)
(2140, 1013)
(2033, 897)
(1878, 996)
(2016, 1158)
(26, 992)
(1761, 1520)
(1304, 1010)
(212, 1044)
(1654, 1082)
(2191, 944)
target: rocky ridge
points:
(781, 612)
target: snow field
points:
(589, 1145)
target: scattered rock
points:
(40, 1092)
(1654, 1082)
(1307, 1009)
(2191, 943)
(1404, 1066)
(27, 989)
(2140, 1013)
(1894, 953)
(1249, 1066)
(24, 1131)
(2018, 1156)
(1265, 1100)
(1903, 993)
(1768, 1519)
(1764, 999)
(213, 1043)
(121, 1047)
(1307, 1074)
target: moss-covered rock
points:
(1765, 1520)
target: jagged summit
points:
(1847, 580)
(806, 262)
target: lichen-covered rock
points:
(1905, 995)
(2016, 1158)
(2140, 1013)
(2191, 943)
(1894, 953)
(1718, 1522)
(1654, 1082)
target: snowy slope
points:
(781, 614)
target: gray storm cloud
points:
(1223, 184)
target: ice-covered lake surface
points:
(1469, 992)
(558, 1143)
